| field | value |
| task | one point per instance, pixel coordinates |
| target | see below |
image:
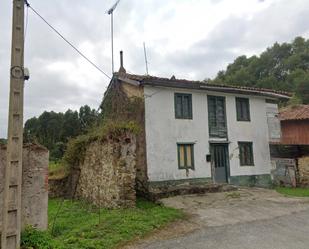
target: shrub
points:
(32, 238)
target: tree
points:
(281, 67)
(53, 130)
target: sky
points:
(191, 39)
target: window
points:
(242, 109)
(185, 156)
(183, 106)
(217, 117)
(245, 153)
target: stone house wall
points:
(107, 174)
(34, 186)
(125, 102)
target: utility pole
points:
(11, 226)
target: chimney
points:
(121, 69)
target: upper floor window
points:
(242, 109)
(217, 116)
(183, 106)
(246, 153)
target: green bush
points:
(32, 238)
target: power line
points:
(66, 40)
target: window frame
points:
(244, 161)
(185, 156)
(217, 131)
(239, 101)
(190, 111)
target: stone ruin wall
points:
(106, 177)
(303, 167)
(34, 186)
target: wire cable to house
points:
(66, 40)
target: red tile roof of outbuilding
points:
(299, 112)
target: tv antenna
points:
(146, 62)
(111, 13)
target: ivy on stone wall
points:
(116, 105)
(76, 148)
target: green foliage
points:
(32, 238)
(299, 192)
(77, 146)
(53, 130)
(78, 225)
(57, 170)
(281, 67)
(3, 141)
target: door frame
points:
(227, 170)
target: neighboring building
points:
(199, 132)
(290, 155)
(295, 125)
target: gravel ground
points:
(249, 218)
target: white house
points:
(199, 132)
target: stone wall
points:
(34, 186)
(106, 177)
(125, 102)
(284, 172)
(303, 167)
(57, 187)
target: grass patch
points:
(57, 170)
(79, 225)
(232, 195)
(299, 192)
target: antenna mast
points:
(146, 62)
(111, 13)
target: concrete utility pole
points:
(11, 227)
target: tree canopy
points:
(281, 67)
(53, 130)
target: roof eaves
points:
(220, 88)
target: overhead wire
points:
(65, 39)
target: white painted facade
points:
(164, 131)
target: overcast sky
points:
(187, 38)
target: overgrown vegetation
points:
(281, 67)
(77, 225)
(3, 141)
(57, 170)
(299, 192)
(76, 147)
(34, 239)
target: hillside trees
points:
(281, 67)
(53, 130)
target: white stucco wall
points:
(163, 132)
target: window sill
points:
(243, 120)
(186, 168)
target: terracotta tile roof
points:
(299, 112)
(182, 83)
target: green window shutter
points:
(185, 153)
